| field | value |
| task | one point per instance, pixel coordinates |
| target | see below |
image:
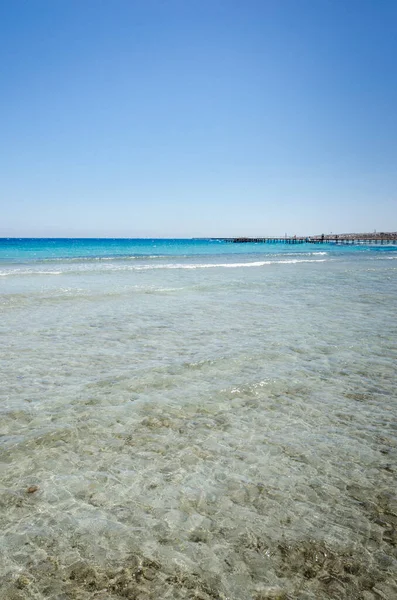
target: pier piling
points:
(386, 238)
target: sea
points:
(197, 419)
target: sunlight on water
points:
(188, 427)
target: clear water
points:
(201, 419)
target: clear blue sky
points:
(197, 117)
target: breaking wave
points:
(86, 267)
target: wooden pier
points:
(349, 239)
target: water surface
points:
(202, 420)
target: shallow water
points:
(202, 420)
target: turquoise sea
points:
(195, 419)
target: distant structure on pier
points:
(343, 238)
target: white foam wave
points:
(383, 258)
(302, 253)
(193, 266)
(188, 266)
(115, 257)
(260, 263)
(32, 272)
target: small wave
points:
(193, 266)
(114, 257)
(384, 258)
(149, 257)
(300, 253)
(260, 263)
(189, 266)
(33, 272)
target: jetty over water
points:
(346, 238)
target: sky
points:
(190, 118)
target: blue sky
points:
(197, 117)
